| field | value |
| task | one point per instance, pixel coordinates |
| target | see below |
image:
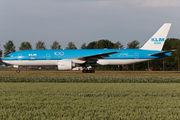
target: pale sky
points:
(84, 21)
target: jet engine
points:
(65, 64)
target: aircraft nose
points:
(4, 59)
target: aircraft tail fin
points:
(157, 41)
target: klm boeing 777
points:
(67, 59)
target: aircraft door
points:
(48, 56)
(19, 56)
(136, 55)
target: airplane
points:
(66, 59)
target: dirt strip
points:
(97, 73)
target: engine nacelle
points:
(65, 64)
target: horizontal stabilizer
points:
(156, 54)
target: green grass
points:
(89, 101)
(88, 79)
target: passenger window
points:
(8, 56)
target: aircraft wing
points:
(94, 58)
(156, 54)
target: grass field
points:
(87, 79)
(89, 101)
(29, 95)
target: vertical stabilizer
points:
(156, 42)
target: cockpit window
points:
(8, 56)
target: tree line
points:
(9, 47)
(168, 63)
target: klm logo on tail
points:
(157, 40)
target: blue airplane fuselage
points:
(73, 54)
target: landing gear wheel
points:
(18, 71)
(88, 71)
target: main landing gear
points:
(88, 71)
(18, 71)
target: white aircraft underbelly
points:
(32, 62)
(120, 61)
(54, 62)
